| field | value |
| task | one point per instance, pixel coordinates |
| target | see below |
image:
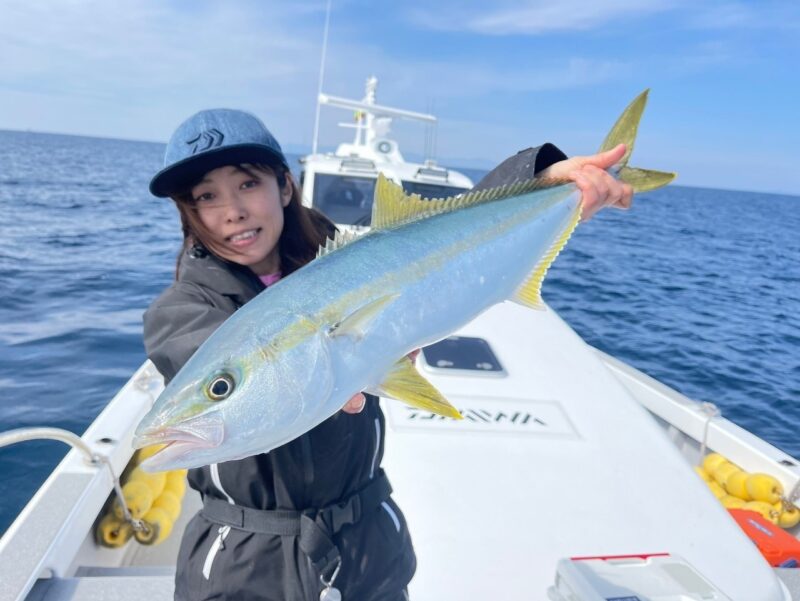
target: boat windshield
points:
(432, 190)
(347, 199)
(344, 198)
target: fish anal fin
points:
(529, 293)
(356, 323)
(405, 383)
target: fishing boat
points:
(570, 478)
(341, 184)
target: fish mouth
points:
(197, 434)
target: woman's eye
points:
(204, 197)
(251, 183)
(220, 388)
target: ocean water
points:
(699, 288)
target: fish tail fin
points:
(624, 132)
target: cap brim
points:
(179, 176)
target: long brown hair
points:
(304, 229)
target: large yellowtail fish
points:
(344, 323)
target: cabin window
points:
(432, 190)
(344, 198)
(462, 353)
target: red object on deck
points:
(775, 545)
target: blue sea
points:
(699, 288)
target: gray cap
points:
(211, 139)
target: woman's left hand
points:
(598, 187)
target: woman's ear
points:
(286, 191)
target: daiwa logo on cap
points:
(205, 140)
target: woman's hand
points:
(598, 187)
(356, 404)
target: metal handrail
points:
(76, 442)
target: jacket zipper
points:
(216, 547)
(219, 543)
(377, 447)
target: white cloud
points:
(95, 56)
(536, 16)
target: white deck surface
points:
(491, 510)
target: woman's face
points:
(243, 213)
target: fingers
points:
(599, 189)
(606, 159)
(626, 199)
(356, 404)
(589, 194)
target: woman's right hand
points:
(356, 404)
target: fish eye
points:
(220, 388)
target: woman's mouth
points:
(245, 238)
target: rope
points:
(794, 494)
(711, 411)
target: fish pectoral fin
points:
(405, 383)
(356, 323)
(529, 294)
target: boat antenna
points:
(321, 75)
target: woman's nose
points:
(236, 210)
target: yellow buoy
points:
(763, 487)
(157, 527)
(789, 515)
(736, 485)
(716, 489)
(112, 532)
(712, 461)
(767, 511)
(138, 498)
(147, 452)
(176, 483)
(724, 471)
(732, 502)
(702, 473)
(155, 481)
(169, 503)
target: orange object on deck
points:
(779, 548)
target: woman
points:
(314, 517)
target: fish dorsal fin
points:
(340, 239)
(392, 206)
(530, 293)
(404, 383)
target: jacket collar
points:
(205, 269)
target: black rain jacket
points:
(320, 468)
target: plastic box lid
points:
(648, 577)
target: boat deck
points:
(593, 474)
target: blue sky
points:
(500, 75)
